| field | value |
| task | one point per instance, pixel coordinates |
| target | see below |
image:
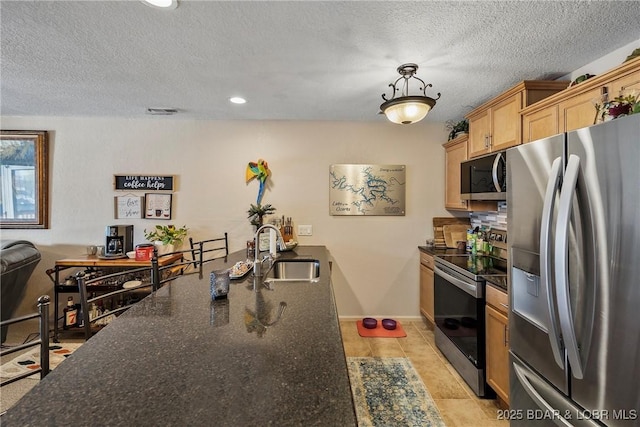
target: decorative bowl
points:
(131, 254)
(290, 245)
(369, 322)
(389, 324)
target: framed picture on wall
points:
(157, 206)
(24, 172)
(128, 206)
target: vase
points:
(165, 249)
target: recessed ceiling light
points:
(161, 4)
(237, 100)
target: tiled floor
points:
(457, 404)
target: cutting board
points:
(438, 232)
(453, 233)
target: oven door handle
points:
(458, 283)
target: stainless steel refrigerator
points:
(573, 204)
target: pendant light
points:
(407, 109)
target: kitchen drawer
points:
(498, 299)
(426, 260)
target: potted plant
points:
(258, 212)
(168, 238)
(457, 128)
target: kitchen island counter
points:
(177, 358)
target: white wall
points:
(604, 64)
(375, 268)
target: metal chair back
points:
(42, 341)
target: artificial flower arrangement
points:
(167, 234)
(619, 106)
(260, 171)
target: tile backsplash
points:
(494, 219)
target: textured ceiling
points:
(301, 60)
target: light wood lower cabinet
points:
(426, 286)
(497, 340)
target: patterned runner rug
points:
(30, 360)
(388, 392)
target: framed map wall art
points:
(367, 189)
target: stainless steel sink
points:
(294, 270)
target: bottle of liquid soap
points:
(479, 242)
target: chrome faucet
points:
(257, 264)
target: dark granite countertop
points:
(496, 280)
(176, 358)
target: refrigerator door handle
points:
(494, 172)
(561, 268)
(523, 378)
(553, 186)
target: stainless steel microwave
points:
(484, 178)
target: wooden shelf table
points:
(96, 263)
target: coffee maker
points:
(119, 240)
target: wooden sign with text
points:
(143, 182)
(128, 207)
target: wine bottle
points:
(70, 314)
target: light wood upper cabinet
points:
(579, 111)
(575, 107)
(497, 124)
(505, 131)
(455, 153)
(479, 133)
(625, 83)
(495, 128)
(540, 124)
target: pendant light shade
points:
(407, 109)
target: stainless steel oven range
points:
(459, 300)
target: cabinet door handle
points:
(504, 305)
(505, 335)
(486, 141)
